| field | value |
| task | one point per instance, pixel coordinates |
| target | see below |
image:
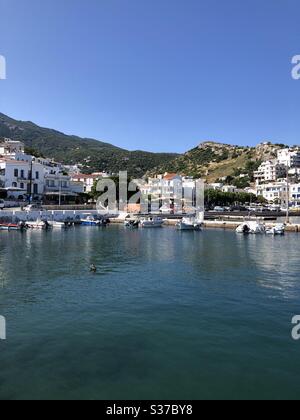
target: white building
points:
(36, 178)
(21, 176)
(88, 181)
(289, 157)
(217, 186)
(171, 191)
(229, 189)
(295, 194)
(9, 148)
(274, 192)
(270, 170)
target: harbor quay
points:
(211, 220)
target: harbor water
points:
(167, 315)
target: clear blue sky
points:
(159, 75)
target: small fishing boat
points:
(132, 224)
(58, 225)
(152, 222)
(93, 221)
(189, 223)
(12, 226)
(253, 228)
(278, 229)
(38, 225)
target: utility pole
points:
(59, 200)
(287, 198)
(31, 169)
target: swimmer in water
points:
(93, 268)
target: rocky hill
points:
(216, 161)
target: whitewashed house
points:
(9, 148)
(20, 176)
(270, 170)
(87, 180)
(274, 192)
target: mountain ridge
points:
(215, 161)
(94, 155)
(211, 160)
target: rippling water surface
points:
(169, 315)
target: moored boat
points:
(58, 225)
(38, 225)
(278, 229)
(12, 226)
(132, 224)
(152, 222)
(253, 228)
(189, 223)
(93, 221)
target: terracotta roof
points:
(84, 176)
(169, 177)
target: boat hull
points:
(10, 227)
(95, 224)
(187, 227)
(148, 225)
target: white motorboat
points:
(189, 223)
(278, 229)
(38, 225)
(152, 222)
(58, 225)
(253, 228)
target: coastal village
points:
(25, 178)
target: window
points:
(37, 175)
(16, 173)
(22, 174)
(22, 186)
(35, 189)
(15, 185)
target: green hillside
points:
(92, 154)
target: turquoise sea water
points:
(169, 315)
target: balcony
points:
(56, 188)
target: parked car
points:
(238, 209)
(33, 207)
(219, 209)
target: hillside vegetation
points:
(215, 161)
(95, 156)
